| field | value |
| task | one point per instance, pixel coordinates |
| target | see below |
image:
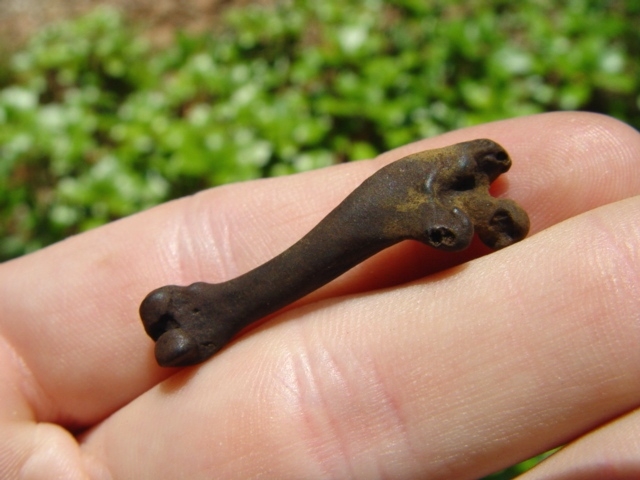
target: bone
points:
(438, 197)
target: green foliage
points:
(517, 470)
(95, 124)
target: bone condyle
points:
(439, 197)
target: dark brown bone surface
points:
(439, 197)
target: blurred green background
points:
(98, 122)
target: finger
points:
(612, 452)
(455, 376)
(550, 152)
(72, 308)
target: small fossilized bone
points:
(438, 197)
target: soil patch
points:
(19, 19)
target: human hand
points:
(415, 364)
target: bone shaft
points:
(333, 247)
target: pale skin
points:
(416, 364)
